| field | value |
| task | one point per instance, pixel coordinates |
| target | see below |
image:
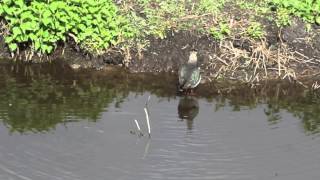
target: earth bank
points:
(288, 53)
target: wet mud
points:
(166, 55)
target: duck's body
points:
(189, 74)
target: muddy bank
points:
(119, 80)
(286, 53)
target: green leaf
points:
(45, 34)
(1, 9)
(21, 38)
(46, 48)
(37, 45)
(32, 36)
(82, 27)
(73, 15)
(317, 20)
(93, 10)
(16, 31)
(57, 4)
(31, 25)
(46, 21)
(64, 19)
(49, 49)
(8, 39)
(7, 10)
(13, 46)
(47, 13)
(27, 15)
(61, 28)
(20, 3)
(56, 24)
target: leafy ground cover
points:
(246, 40)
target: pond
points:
(57, 124)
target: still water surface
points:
(62, 125)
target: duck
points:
(189, 74)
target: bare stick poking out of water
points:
(148, 122)
(148, 101)
(139, 129)
(137, 125)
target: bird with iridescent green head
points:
(189, 74)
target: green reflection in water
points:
(41, 104)
(35, 98)
(275, 98)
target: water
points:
(62, 125)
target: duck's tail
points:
(180, 89)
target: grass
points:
(260, 60)
(132, 22)
(156, 18)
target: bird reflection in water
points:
(188, 109)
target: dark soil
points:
(300, 40)
(4, 51)
(166, 55)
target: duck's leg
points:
(192, 93)
(189, 91)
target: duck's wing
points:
(194, 78)
(183, 74)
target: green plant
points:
(255, 30)
(156, 17)
(221, 31)
(159, 16)
(308, 10)
(283, 17)
(209, 6)
(308, 27)
(94, 24)
(257, 6)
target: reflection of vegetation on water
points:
(38, 97)
(305, 106)
(308, 110)
(32, 100)
(273, 113)
(301, 103)
(43, 103)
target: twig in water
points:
(148, 100)
(139, 129)
(148, 122)
(137, 125)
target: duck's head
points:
(193, 57)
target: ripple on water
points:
(70, 127)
